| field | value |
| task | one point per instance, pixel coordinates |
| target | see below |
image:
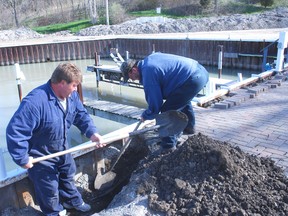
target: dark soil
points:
(208, 177)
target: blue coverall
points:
(173, 79)
(39, 127)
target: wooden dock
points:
(123, 110)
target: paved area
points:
(258, 125)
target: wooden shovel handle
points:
(81, 147)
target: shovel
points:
(168, 123)
(110, 176)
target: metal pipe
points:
(19, 76)
(127, 55)
(107, 12)
(226, 89)
(3, 172)
(282, 44)
(220, 60)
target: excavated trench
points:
(100, 199)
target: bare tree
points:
(11, 5)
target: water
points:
(38, 73)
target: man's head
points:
(65, 79)
(126, 68)
(68, 72)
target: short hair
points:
(68, 72)
(126, 67)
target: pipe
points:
(226, 89)
(282, 44)
(3, 172)
(220, 60)
(19, 76)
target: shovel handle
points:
(81, 147)
(93, 144)
(126, 145)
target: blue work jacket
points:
(40, 125)
(160, 75)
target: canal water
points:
(38, 73)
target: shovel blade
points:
(105, 180)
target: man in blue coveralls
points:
(39, 127)
(170, 82)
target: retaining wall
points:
(236, 54)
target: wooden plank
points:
(115, 108)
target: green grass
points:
(151, 13)
(72, 26)
(242, 8)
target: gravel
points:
(276, 18)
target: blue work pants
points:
(181, 99)
(53, 179)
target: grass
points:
(71, 26)
(76, 26)
(152, 13)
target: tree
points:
(117, 13)
(266, 3)
(205, 3)
(93, 11)
(11, 5)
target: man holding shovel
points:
(39, 127)
(170, 82)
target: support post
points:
(107, 12)
(80, 92)
(282, 44)
(220, 59)
(127, 55)
(19, 76)
(3, 172)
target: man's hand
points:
(29, 164)
(98, 139)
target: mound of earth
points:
(204, 177)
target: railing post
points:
(282, 44)
(220, 60)
(3, 172)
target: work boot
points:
(189, 131)
(84, 207)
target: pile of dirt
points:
(204, 177)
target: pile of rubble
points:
(275, 18)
